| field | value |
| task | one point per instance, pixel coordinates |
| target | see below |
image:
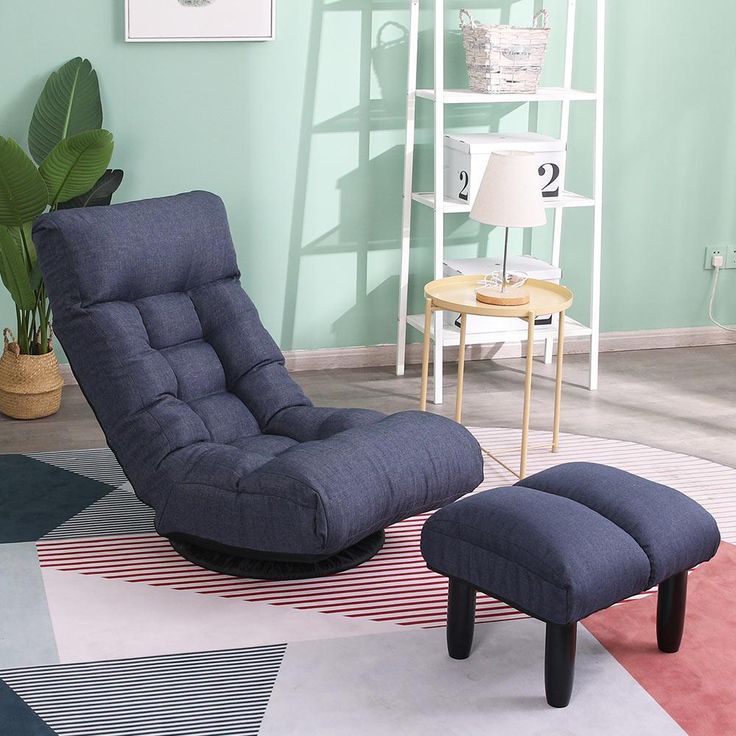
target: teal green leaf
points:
(23, 193)
(76, 163)
(24, 237)
(69, 104)
(35, 276)
(14, 270)
(30, 246)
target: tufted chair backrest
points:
(167, 347)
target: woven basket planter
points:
(30, 385)
(504, 59)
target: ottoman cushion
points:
(570, 541)
(675, 532)
(546, 555)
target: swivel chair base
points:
(260, 567)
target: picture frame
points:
(171, 21)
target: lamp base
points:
(511, 298)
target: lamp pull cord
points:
(711, 303)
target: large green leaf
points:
(23, 193)
(24, 238)
(100, 194)
(69, 104)
(76, 164)
(14, 270)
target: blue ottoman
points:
(563, 544)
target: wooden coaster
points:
(511, 298)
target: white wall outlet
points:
(731, 256)
(711, 251)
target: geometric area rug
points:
(105, 630)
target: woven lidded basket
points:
(504, 58)
(30, 385)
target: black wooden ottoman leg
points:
(671, 603)
(559, 663)
(460, 618)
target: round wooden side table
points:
(457, 294)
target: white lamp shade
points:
(510, 194)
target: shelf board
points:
(543, 94)
(517, 332)
(566, 199)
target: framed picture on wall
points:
(200, 20)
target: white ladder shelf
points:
(440, 97)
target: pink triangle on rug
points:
(695, 685)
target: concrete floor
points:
(680, 399)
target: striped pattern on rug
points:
(99, 464)
(223, 692)
(118, 513)
(394, 587)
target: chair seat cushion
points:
(319, 497)
(560, 559)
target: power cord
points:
(717, 265)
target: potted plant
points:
(72, 152)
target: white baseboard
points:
(384, 355)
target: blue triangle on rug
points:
(37, 497)
(17, 717)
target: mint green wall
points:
(311, 172)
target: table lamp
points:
(510, 195)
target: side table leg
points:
(461, 369)
(527, 394)
(558, 382)
(425, 354)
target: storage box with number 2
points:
(467, 156)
